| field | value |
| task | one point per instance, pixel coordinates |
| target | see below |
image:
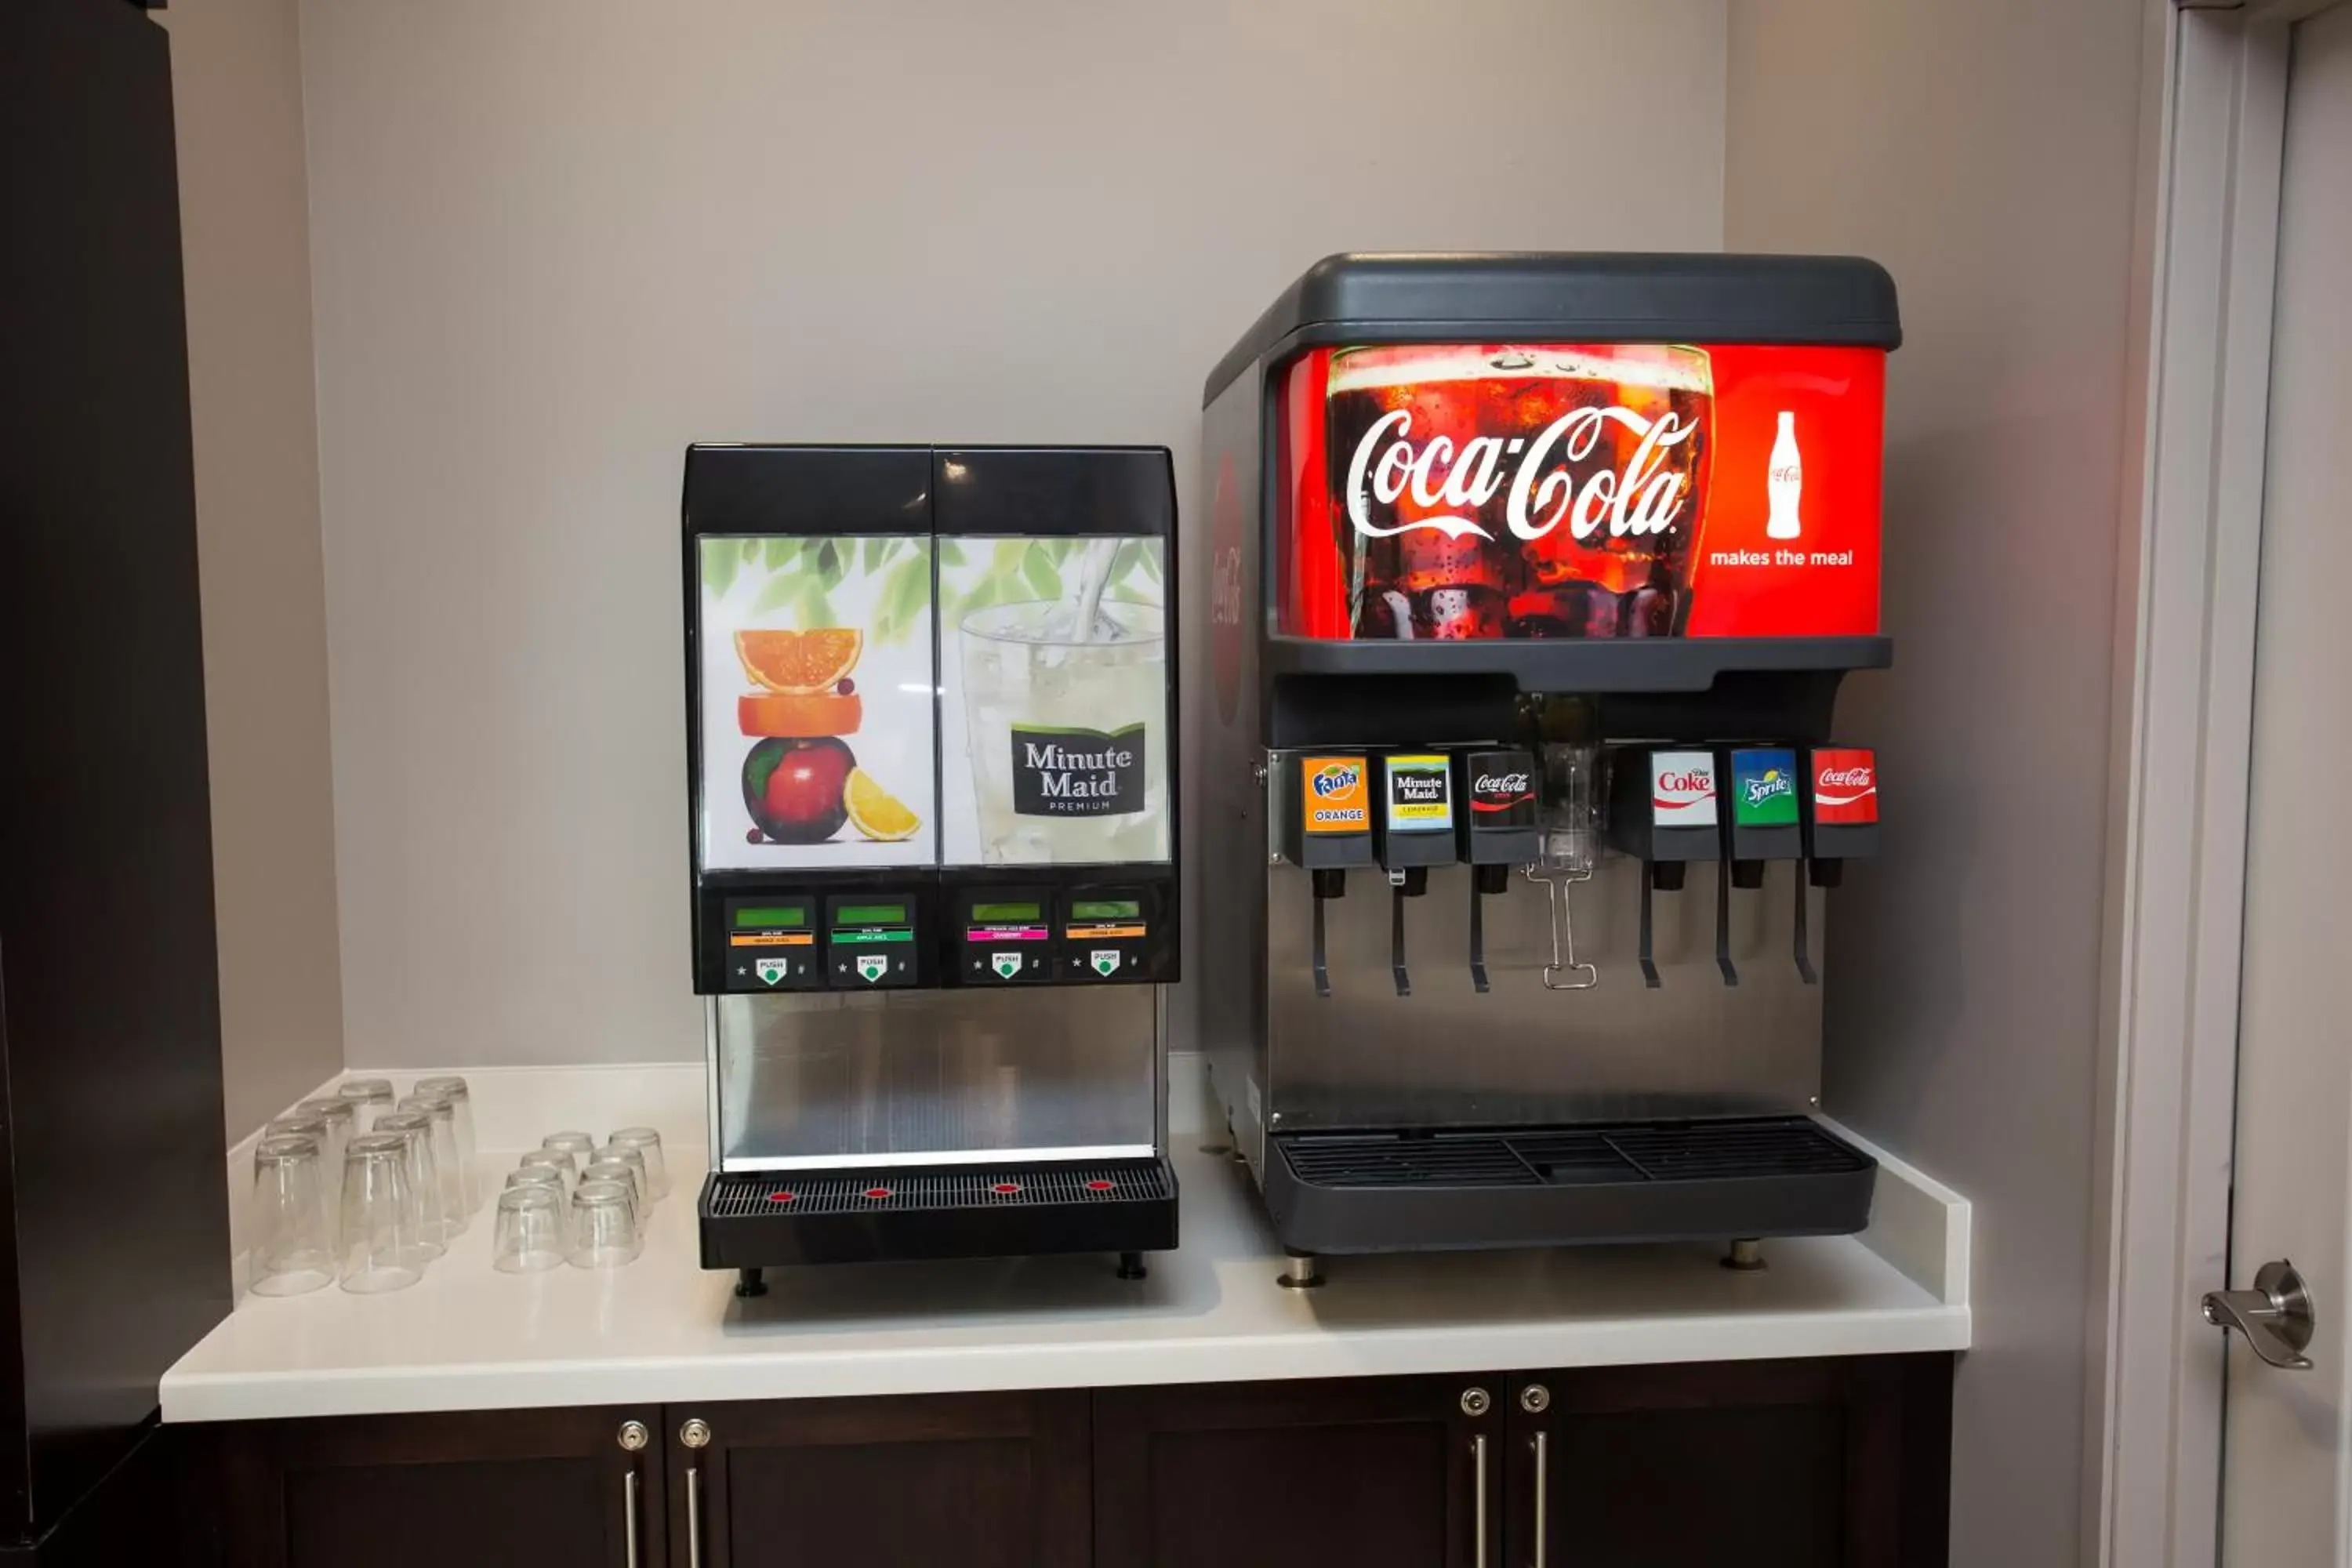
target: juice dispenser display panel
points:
(1055, 675)
(817, 715)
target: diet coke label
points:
(1845, 785)
(1681, 789)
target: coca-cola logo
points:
(1642, 497)
(1501, 783)
(1847, 778)
(1686, 784)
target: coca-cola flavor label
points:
(1468, 490)
(1681, 789)
(1420, 794)
(1764, 787)
(1333, 795)
(1502, 789)
(1845, 784)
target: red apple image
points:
(793, 788)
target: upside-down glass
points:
(557, 1160)
(370, 1098)
(647, 1142)
(341, 1118)
(548, 1179)
(639, 1173)
(293, 1239)
(615, 1171)
(455, 1209)
(414, 1130)
(378, 1245)
(604, 1226)
(579, 1145)
(454, 1089)
(530, 1234)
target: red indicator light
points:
(782, 1197)
(1007, 1188)
(1099, 1186)
(878, 1193)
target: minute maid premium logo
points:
(1078, 772)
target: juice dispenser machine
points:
(930, 734)
(1531, 582)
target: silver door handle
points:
(1478, 1514)
(2276, 1317)
(629, 1516)
(694, 1517)
(1543, 1486)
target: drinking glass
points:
(647, 1143)
(603, 1170)
(414, 1130)
(455, 1210)
(370, 1098)
(530, 1233)
(579, 1145)
(554, 1160)
(604, 1226)
(293, 1249)
(378, 1249)
(639, 1173)
(454, 1089)
(341, 1118)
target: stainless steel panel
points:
(1446, 1055)
(905, 1075)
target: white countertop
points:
(661, 1329)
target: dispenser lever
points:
(1396, 933)
(1805, 971)
(1478, 936)
(1649, 965)
(1723, 923)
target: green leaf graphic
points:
(780, 551)
(871, 554)
(1042, 572)
(781, 591)
(719, 564)
(751, 549)
(951, 553)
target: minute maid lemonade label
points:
(1332, 795)
(1420, 794)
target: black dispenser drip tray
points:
(1547, 1186)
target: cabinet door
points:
(478, 1489)
(979, 1480)
(1368, 1472)
(1772, 1464)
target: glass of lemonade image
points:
(1067, 731)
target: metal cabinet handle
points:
(2276, 1317)
(1478, 1479)
(696, 1435)
(629, 1516)
(1543, 1486)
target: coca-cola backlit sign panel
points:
(1450, 491)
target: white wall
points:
(556, 244)
(245, 240)
(1985, 152)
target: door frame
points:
(2204, 260)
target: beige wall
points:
(1985, 153)
(556, 244)
(244, 217)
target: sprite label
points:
(1764, 788)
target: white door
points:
(2287, 1458)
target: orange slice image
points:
(798, 663)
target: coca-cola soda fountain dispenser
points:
(1532, 580)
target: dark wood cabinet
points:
(979, 1480)
(1369, 1472)
(473, 1491)
(1773, 1464)
(1770, 1464)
